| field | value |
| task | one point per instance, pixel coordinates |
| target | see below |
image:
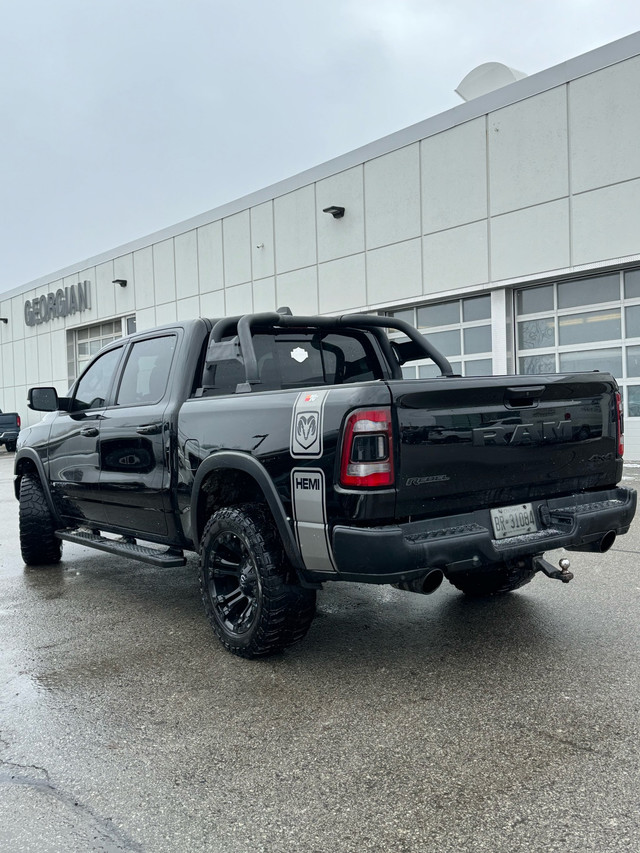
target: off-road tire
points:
(248, 589)
(38, 543)
(495, 581)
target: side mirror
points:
(43, 399)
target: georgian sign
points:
(64, 301)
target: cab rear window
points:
(297, 360)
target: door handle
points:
(90, 432)
(149, 429)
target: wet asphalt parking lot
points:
(401, 723)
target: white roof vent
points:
(485, 78)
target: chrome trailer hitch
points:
(562, 574)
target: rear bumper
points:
(8, 435)
(464, 542)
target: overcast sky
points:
(122, 117)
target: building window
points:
(83, 344)
(583, 324)
(459, 328)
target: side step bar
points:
(169, 559)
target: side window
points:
(93, 387)
(146, 374)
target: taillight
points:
(619, 424)
(367, 449)
(18, 420)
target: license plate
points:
(513, 521)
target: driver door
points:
(74, 443)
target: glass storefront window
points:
(532, 364)
(633, 361)
(632, 284)
(476, 308)
(444, 314)
(534, 334)
(406, 315)
(633, 401)
(429, 371)
(479, 367)
(534, 300)
(447, 342)
(470, 337)
(594, 359)
(550, 336)
(632, 317)
(83, 344)
(587, 291)
(590, 327)
(477, 339)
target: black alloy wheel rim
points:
(233, 583)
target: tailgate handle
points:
(524, 395)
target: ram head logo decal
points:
(307, 429)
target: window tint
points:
(298, 360)
(94, 385)
(146, 374)
(632, 284)
(590, 327)
(634, 401)
(442, 314)
(447, 342)
(601, 288)
(476, 308)
(603, 359)
(538, 364)
(477, 339)
(633, 321)
(535, 299)
(537, 333)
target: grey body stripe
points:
(308, 500)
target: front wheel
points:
(38, 543)
(495, 581)
(252, 605)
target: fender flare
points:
(30, 455)
(236, 461)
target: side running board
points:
(171, 558)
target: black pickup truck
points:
(9, 429)
(290, 451)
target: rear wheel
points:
(495, 581)
(11, 446)
(38, 542)
(252, 603)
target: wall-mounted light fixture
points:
(336, 211)
(4, 320)
(121, 281)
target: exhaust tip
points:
(424, 584)
(431, 581)
(607, 541)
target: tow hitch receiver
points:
(562, 574)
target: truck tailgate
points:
(469, 443)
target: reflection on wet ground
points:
(403, 722)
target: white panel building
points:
(508, 228)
